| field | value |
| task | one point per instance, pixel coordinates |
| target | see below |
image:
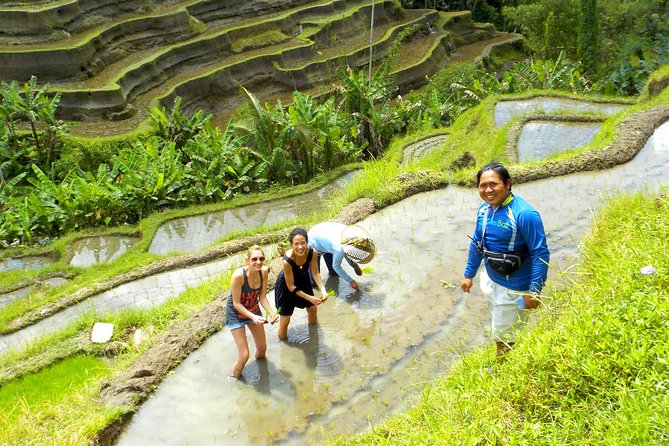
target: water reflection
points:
(99, 249)
(24, 263)
(404, 329)
(192, 233)
(288, 387)
(540, 139)
(506, 110)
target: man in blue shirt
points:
(510, 238)
(330, 241)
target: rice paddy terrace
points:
(113, 61)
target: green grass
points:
(59, 403)
(592, 370)
(137, 256)
(270, 37)
(475, 132)
(161, 318)
(55, 406)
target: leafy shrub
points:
(178, 127)
(88, 154)
(41, 146)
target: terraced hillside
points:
(113, 61)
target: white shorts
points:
(507, 316)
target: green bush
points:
(87, 155)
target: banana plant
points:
(176, 126)
(261, 128)
(33, 104)
(367, 101)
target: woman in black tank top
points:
(248, 290)
(293, 284)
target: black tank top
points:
(301, 278)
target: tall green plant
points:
(152, 174)
(558, 74)
(34, 105)
(332, 134)
(589, 36)
(368, 103)
(176, 126)
(221, 166)
(549, 25)
(261, 128)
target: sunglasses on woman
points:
(257, 259)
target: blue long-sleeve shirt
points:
(500, 236)
(326, 238)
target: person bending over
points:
(336, 242)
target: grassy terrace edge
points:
(136, 262)
(593, 368)
(69, 344)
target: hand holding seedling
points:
(273, 318)
(328, 295)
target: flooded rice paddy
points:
(506, 110)
(541, 139)
(26, 263)
(373, 352)
(99, 249)
(144, 293)
(7, 298)
(189, 234)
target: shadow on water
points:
(374, 351)
(288, 387)
(192, 233)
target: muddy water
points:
(372, 352)
(141, 294)
(192, 233)
(506, 110)
(540, 139)
(361, 338)
(100, 249)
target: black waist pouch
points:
(503, 263)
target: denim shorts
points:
(232, 320)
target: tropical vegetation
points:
(605, 384)
(189, 161)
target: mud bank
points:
(130, 388)
(631, 135)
